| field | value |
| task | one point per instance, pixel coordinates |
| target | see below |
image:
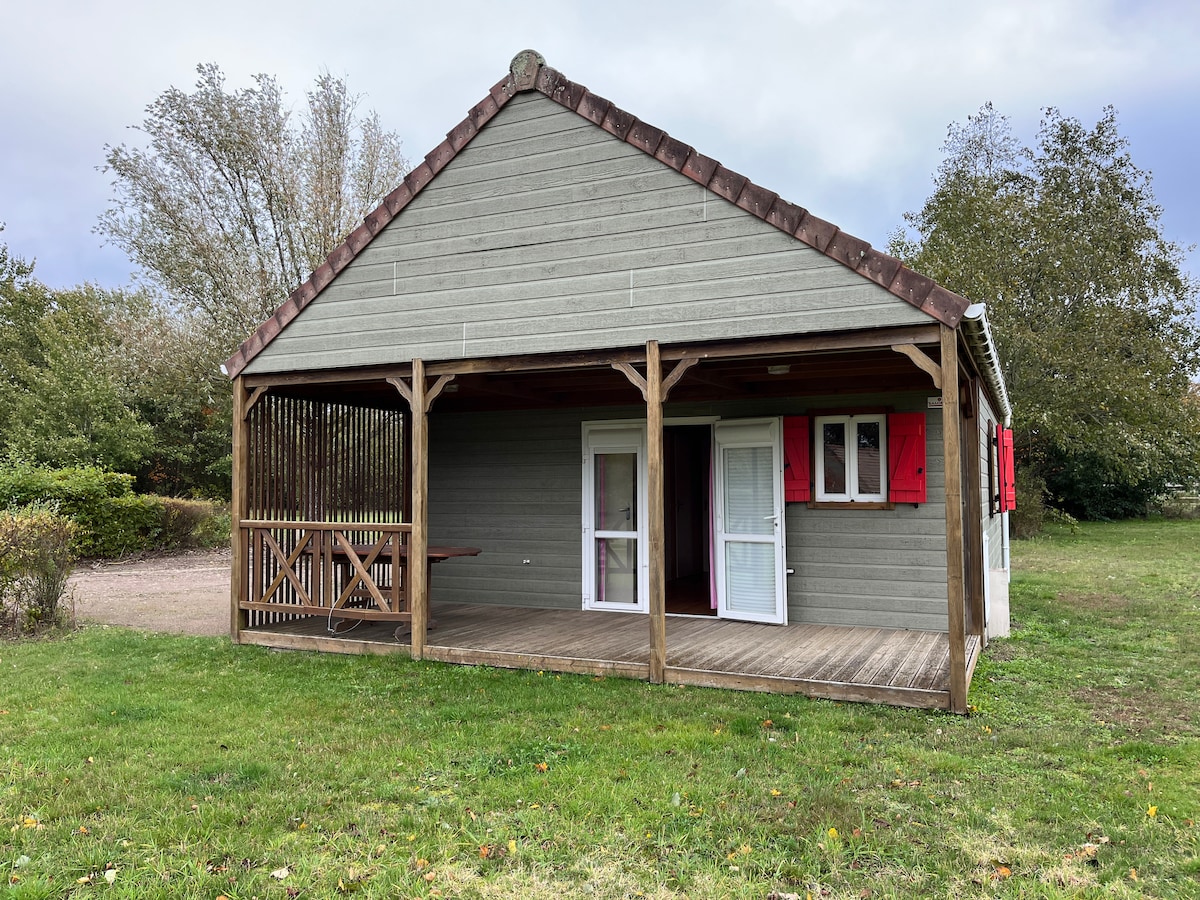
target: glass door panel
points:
(615, 565)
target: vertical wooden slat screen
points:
(320, 461)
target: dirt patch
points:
(185, 593)
(1138, 710)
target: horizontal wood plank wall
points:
(511, 484)
(993, 525)
(549, 234)
(883, 568)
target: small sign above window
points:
(933, 402)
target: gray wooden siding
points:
(510, 483)
(548, 234)
(884, 568)
(992, 525)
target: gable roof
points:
(529, 72)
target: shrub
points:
(1030, 515)
(186, 523)
(112, 520)
(1033, 512)
(35, 562)
(118, 526)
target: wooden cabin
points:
(626, 412)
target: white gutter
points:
(978, 335)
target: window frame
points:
(852, 494)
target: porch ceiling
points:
(596, 383)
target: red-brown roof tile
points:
(672, 152)
(756, 200)
(593, 107)
(529, 72)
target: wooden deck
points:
(874, 665)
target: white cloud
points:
(838, 106)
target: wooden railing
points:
(342, 570)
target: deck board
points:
(839, 662)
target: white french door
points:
(749, 526)
(615, 554)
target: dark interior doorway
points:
(687, 464)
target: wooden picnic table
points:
(433, 554)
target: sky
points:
(839, 106)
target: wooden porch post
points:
(418, 583)
(654, 489)
(955, 581)
(239, 511)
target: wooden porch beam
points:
(402, 387)
(240, 510)
(677, 373)
(922, 362)
(418, 582)
(821, 343)
(254, 398)
(655, 490)
(817, 343)
(955, 578)
(635, 378)
(436, 391)
(642, 383)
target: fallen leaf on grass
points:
(1001, 873)
(281, 873)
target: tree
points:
(232, 205)
(1092, 310)
(113, 378)
(23, 301)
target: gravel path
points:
(185, 593)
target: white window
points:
(851, 457)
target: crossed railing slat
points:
(322, 551)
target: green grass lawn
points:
(154, 766)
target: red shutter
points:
(1008, 481)
(906, 457)
(795, 459)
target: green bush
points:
(1030, 515)
(186, 523)
(35, 562)
(118, 526)
(1033, 512)
(112, 520)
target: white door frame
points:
(615, 437)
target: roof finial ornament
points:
(524, 69)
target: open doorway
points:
(687, 480)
